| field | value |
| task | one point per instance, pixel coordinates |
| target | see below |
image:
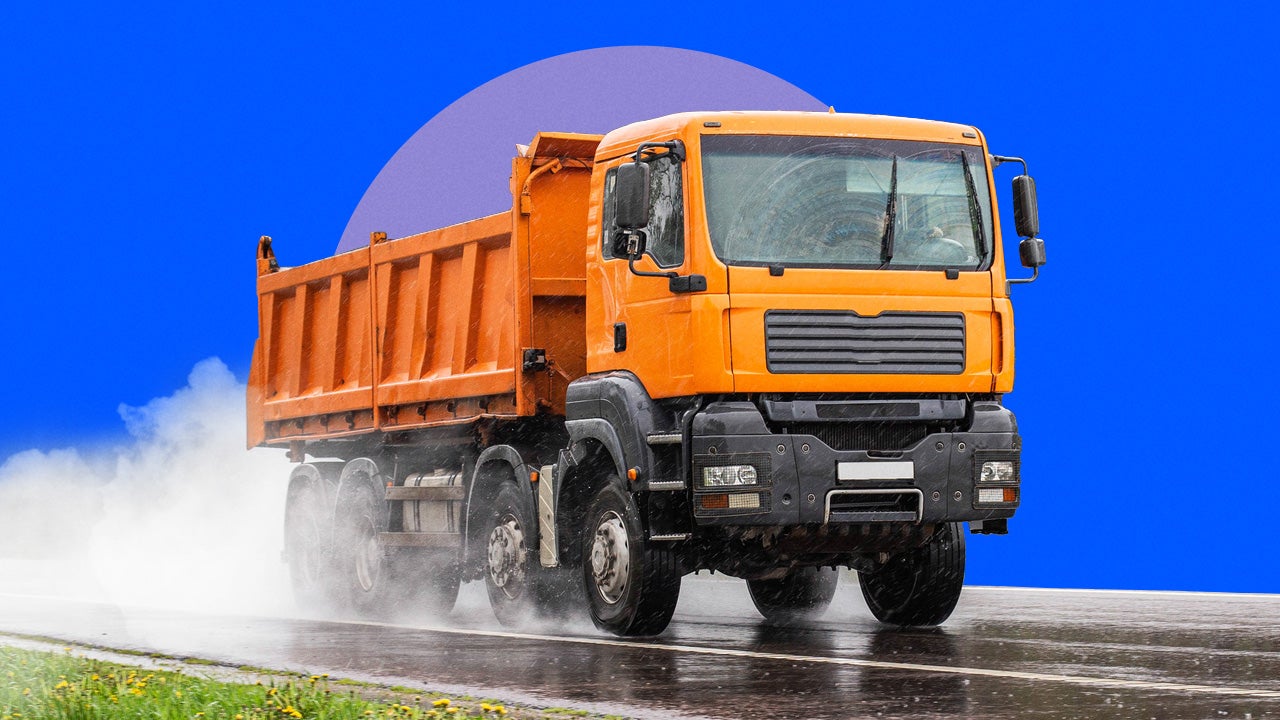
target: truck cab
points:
(798, 327)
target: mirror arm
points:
(1035, 273)
(675, 148)
(631, 265)
(998, 160)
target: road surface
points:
(1006, 653)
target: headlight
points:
(997, 471)
(728, 475)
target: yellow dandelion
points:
(26, 691)
(486, 707)
(442, 702)
(500, 710)
(62, 684)
(96, 677)
(177, 693)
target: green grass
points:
(61, 686)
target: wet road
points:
(1006, 653)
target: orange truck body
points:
(561, 390)
(428, 330)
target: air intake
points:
(835, 342)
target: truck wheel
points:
(803, 594)
(509, 571)
(920, 586)
(361, 563)
(631, 588)
(308, 523)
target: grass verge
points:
(42, 685)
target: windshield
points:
(822, 201)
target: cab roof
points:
(831, 124)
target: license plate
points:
(879, 470)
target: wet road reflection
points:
(1005, 654)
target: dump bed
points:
(440, 328)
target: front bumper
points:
(802, 480)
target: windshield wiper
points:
(890, 211)
(975, 214)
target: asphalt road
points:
(1006, 653)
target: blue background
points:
(147, 148)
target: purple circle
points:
(455, 168)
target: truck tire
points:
(510, 570)
(631, 588)
(308, 528)
(920, 586)
(803, 594)
(362, 569)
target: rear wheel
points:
(308, 525)
(802, 594)
(361, 565)
(920, 586)
(509, 566)
(631, 587)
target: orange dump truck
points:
(765, 344)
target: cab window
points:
(664, 235)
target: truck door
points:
(643, 326)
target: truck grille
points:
(841, 342)
(863, 436)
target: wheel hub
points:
(611, 557)
(506, 554)
(367, 558)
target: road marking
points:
(849, 662)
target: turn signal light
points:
(714, 502)
(998, 495)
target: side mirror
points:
(631, 196)
(1026, 216)
(628, 244)
(1032, 252)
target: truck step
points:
(427, 492)
(664, 439)
(672, 537)
(667, 485)
(420, 539)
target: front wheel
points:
(631, 587)
(920, 586)
(802, 594)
